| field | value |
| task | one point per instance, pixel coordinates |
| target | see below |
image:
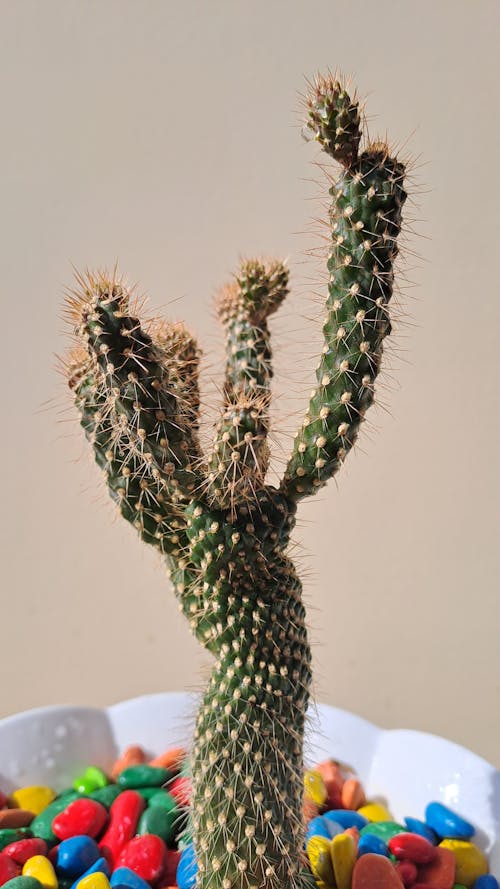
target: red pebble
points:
(124, 814)
(440, 873)
(21, 850)
(373, 871)
(170, 873)
(8, 869)
(413, 847)
(52, 854)
(83, 816)
(3, 799)
(407, 871)
(146, 855)
(181, 789)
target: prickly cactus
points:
(222, 530)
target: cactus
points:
(222, 530)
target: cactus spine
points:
(222, 530)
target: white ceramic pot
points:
(407, 769)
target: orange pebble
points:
(440, 872)
(334, 781)
(354, 833)
(353, 795)
(170, 759)
(133, 756)
(375, 870)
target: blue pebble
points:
(447, 823)
(187, 869)
(420, 827)
(369, 842)
(317, 827)
(76, 855)
(487, 881)
(346, 818)
(125, 878)
(100, 866)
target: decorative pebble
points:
(42, 824)
(383, 829)
(318, 850)
(447, 823)
(370, 842)
(24, 883)
(352, 794)
(320, 827)
(145, 855)
(41, 868)
(413, 847)
(470, 862)
(82, 816)
(416, 826)
(34, 799)
(407, 870)
(11, 835)
(158, 821)
(76, 855)
(92, 779)
(106, 795)
(172, 862)
(171, 759)
(93, 881)
(21, 850)
(346, 818)
(125, 878)
(440, 873)
(124, 816)
(334, 781)
(143, 776)
(8, 869)
(486, 881)
(375, 872)
(100, 866)
(343, 855)
(132, 756)
(375, 812)
(314, 787)
(181, 789)
(15, 818)
(187, 869)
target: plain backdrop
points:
(166, 135)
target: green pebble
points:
(42, 824)
(158, 821)
(145, 792)
(24, 883)
(12, 834)
(164, 800)
(92, 779)
(143, 776)
(383, 829)
(106, 795)
(459, 886)
(185, 840)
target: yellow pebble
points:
(343, 853)
(33, 799)
(94, 881)
(318, 850)
(314, 787)
(375, 812)
(471, 862)
(41, 868)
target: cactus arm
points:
(366, 220)
(240, 456)
(140, 378)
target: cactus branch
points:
(240, 456)
(366, 220)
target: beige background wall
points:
(164, 134)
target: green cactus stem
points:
(222, 530)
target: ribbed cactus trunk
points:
(223, 531)
(247, 757)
